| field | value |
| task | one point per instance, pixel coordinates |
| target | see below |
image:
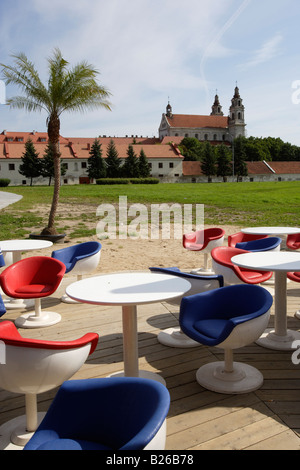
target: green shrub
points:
(4, 182)
(127, 181)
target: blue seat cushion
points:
(71, 444)
(212, 329)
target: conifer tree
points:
(131, 165)
(113, 163)
(208, 161)
(31, 164)
(223, 162)
(144, 169)
(47, 164)
(96, 165)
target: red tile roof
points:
(195, 121)
(79, 147)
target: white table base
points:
(130, 347)
(279, 337)
(13, 434)
(30, 320)
(12, 304)
(174, 337)
(242, 379)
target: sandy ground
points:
(137, 254)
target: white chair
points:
(34, 366)
(81, 259)
(227, 318)
(174, 336)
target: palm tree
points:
(68, 89)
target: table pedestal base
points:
(203, 271)
(175, 338)
(243, 378)
(297, 314)
(12, 304)
(13, 434)
(269, 339)
(144, 374)
(67, 300)
(30, 320)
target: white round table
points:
(12, 252)
(270, 230)
(129, 289)
(280, 262)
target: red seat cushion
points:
(34, 289)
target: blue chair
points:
(2, 262)
(2, 307)
(81, 259)
(116, 413)
(263, 244)
(228, 318)
(174, 337)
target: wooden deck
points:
(266, 419)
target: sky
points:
(149, 52)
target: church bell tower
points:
(237, 126)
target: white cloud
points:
(268, 51)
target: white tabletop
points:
(23, 245)
(128, 288)
(270, 230)
(269, 261)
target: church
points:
(214, 128)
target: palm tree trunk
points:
(53, 134)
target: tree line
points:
(134, 166)
(221, 160)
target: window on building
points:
(11, 166)
(171, 164)
(205, 136)
(65, 166)
(196, 136)
(20, 139)
(160, 165)
(83, 164)
(186, 135)
(215, 136)
(24, 182)
(150, 165)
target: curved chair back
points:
(293, 241)
(202, 239)
(211, 317)
(263, 244)
(84, 257)
(105, 414)
(35, 366)
(241, 237)
(233, 274)
(198, 283)
(36, 276)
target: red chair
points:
(241, 237)
(296, 278)
(204, 240)
(293, 241)
(31, 367)
(233, 274)
(33, 278)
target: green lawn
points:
(242, 204)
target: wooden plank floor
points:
(266, 419)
